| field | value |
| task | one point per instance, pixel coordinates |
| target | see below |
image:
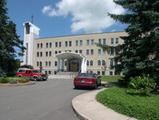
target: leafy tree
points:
(9, 42)
(140, 54)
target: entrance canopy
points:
(69, 55)
(71, 62)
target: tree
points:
(140, 54)
(9, 42)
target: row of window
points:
(89, 63)
(78, 43)
(88, 52)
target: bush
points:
(143, 85)
(4, 80)
(22, 80)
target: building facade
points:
(73, 53)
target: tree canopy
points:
(9, 42)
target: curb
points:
(18, 84)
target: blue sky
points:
(65, 17)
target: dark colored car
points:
(87, 80)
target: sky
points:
(65, 17)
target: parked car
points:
(32, 74)
(87, 80)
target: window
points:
(50, 44)
(46, 63)
(41, 54)
(70, 43)
(37, 63)
(46, 54)
(41, 45)
(112, 40)
(110, 73)
(81, 42)
(117, 40)
(55, 52)
(55, 63)
(92, 51)
(76, 51)
(41, 63)
(49, 72)
(112, 51)
(56, 44)
(37, 54)
(66, 43)
(98, 72)
(76, 42)
(47, 45)
(104, 41)
(59, 44)
(87, 42)
(80, 51)
(111, 64)
(59, 51)
(49, 53)
(38, 45)
(91, 63)
(92, 42)
(49, 63)
(99, 62)
(103, 62)
(99, 41)
(87, 52)
(103, 72)
(99, 51)
(87, 63)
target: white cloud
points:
(87, 15)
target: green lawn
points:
(111, 78)
(13, 80)
(140, 107)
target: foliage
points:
(114, 78)
(140, 54)
(140, 107)
(13, 80)
(141, 85)
(26, 66)
(9, 42)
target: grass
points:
(114, 78)
(140, 107)
(13, 80)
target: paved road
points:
(49, 100)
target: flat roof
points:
(78, 35)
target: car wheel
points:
(35, 78)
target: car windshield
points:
(36, 71)
(88, 75)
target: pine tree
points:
(140, 55)
(9, 42)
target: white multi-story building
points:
(72, 53)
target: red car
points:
(87, 80)
(32, 74)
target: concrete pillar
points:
(84, 66)
(58, 65)
(62, 64)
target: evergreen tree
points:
(140, 54)
(9, 42)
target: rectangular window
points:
(104, 41)
(98, 72)
(66, 43)
(41, 54)
(111, 51)
(38, 45)
(117, 40)
(56, 44)
(59, 44)
(45, 63)
(47, 45)
(92, 42)
(112, 40)
(87, 52)
(81, 42)
(76, 51)
(37, 54)
(49, 63)
(70, 43)
(92, 51)
(41, 45)
(50, 44)
(55, 52)
(46, 54)
(76, 42)
(103, 72)
(55, 63)
(87, 42)
(80, 51)
(37, 64)
(99, 41)
(50, 53)
(99, 52)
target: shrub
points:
(4, 80)
(143, 85)
(22, 80)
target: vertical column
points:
(58, 65)
(62, 65)
(84, 65)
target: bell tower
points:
(30, 33)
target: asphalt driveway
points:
(48, 100)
